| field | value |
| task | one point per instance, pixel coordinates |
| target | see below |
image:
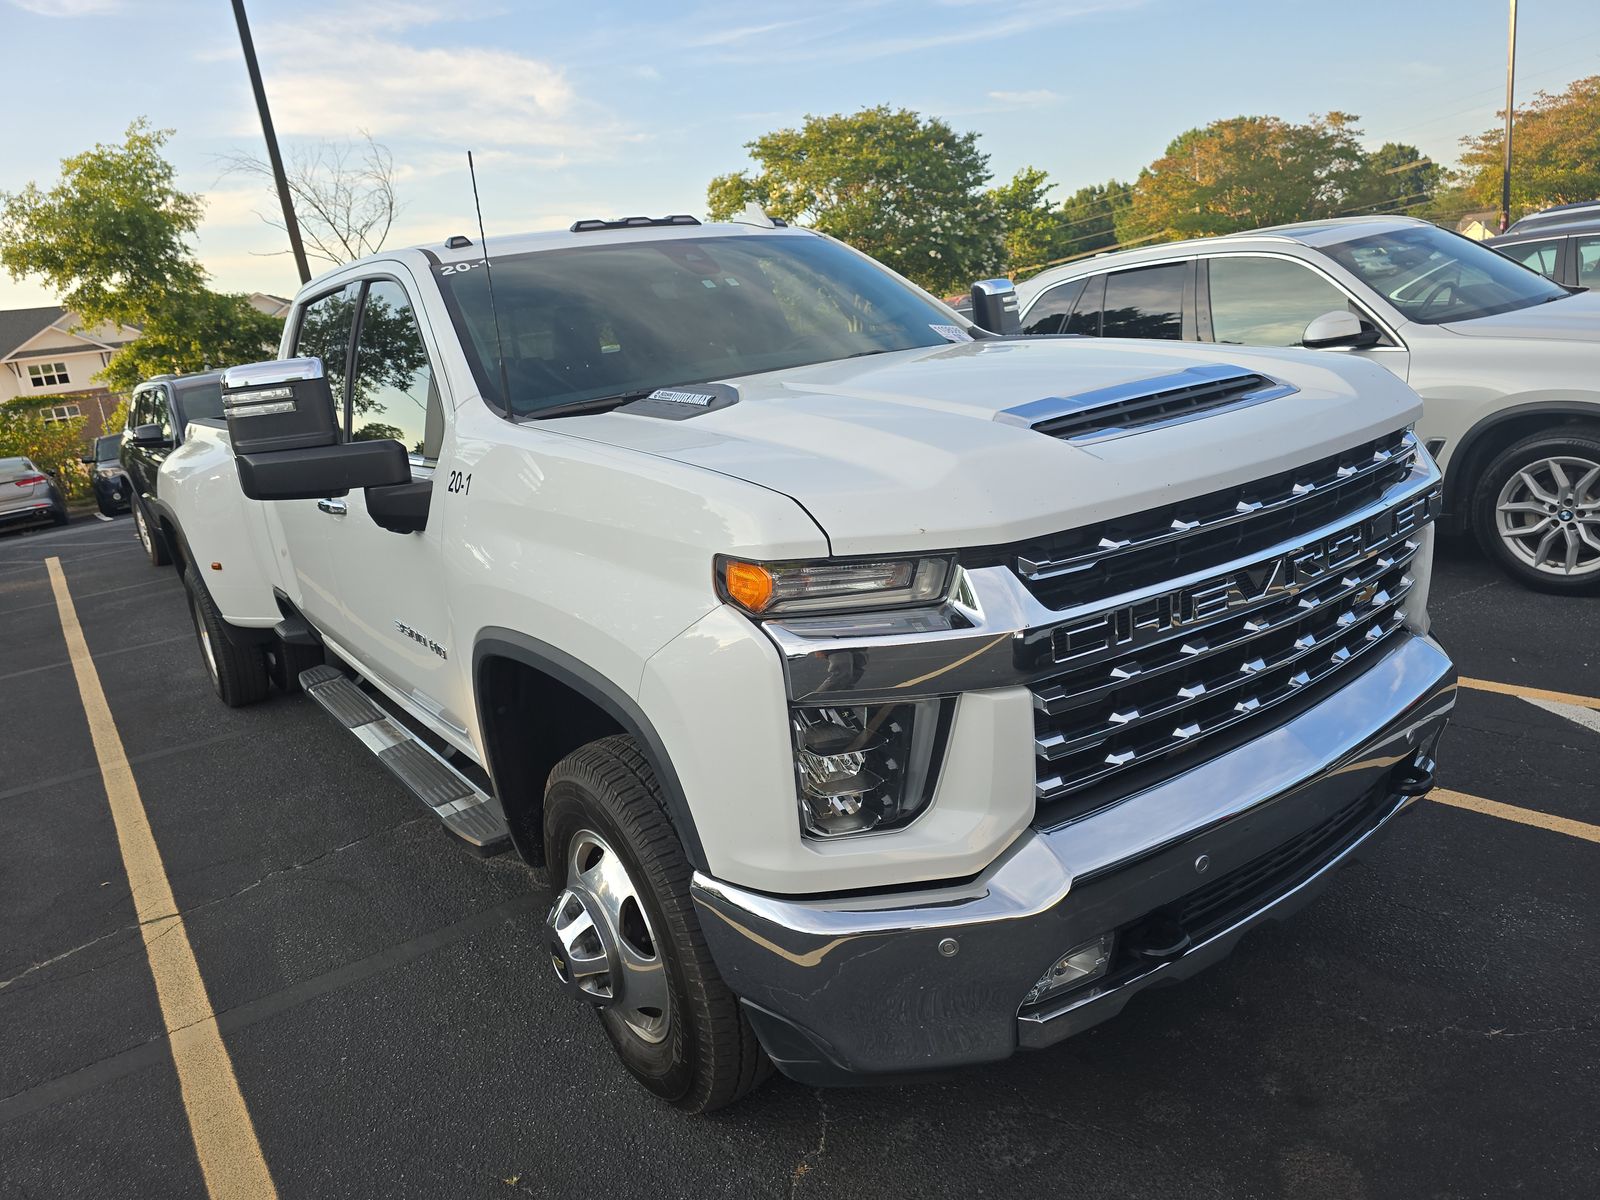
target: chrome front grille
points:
(1174, 540)
(1144, 681)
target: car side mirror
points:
(286, 404)
(1339, 328)
(150, 437)
(994, 306)
(87, 460)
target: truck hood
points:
(902, 452)
(1574, 318)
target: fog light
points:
(1077, 966)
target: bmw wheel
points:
(1537, 511)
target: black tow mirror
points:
(322, 472)
(150, 437)
(994, 306)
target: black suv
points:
(106, 476)
(1561, 243)
(158, 415)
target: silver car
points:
(28, 494)
(1507, 362)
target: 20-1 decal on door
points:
(459, 482)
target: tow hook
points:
(1414, 778)
(1159, 939)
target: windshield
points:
(616, 319)
(105, 448)
(1433, 276)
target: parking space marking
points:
(1589, 718)
(1522, 816)
(1530, 693)
(219, 1122)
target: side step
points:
(465, 811)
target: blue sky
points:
(607, 108)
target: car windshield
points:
(105, 448)
(616, 319)
(1433, 276)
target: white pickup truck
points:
(883, 693)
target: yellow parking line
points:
(224, 1137)
(1522, 816)
(1530, 693)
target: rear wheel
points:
(155, 549)
(623, 935)
(238, 673)
(1537, 511)
(59, 514)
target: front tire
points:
(149, 537)
(623, 914)
(238, 673)
(1536, 511)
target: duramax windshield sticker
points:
(951, 333)
(679, 404)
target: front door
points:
(1266, 300)
(396, 619)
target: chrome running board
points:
(452, 797)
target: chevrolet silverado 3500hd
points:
(882, 693)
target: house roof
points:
(17, 325)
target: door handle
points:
(337, 508)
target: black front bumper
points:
(863, 989)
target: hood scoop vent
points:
(1145, 404)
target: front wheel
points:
(624, 938)
(238, 672)
(1537, 511)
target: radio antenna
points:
(488, 277)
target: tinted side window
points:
(157, 412)
(1085, 317)
(1267, 301)
(1536, 256)
(324, 333)
(1588, 251)
(1145, 303)
(394, 394)
(1049, 313)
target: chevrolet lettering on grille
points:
(1246, 587)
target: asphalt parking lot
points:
(1427, 1029)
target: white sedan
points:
(1507, 362)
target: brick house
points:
(44, 356)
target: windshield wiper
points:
(596, 404)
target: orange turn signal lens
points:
(748, 585)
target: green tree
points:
(1090, 214)
(112, 238)
(53, 446)
(1395, 178)
(194, 331)
(905, 189)
(1555, 151)
(1034, 233)
(1243, 173)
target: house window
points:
(61, 412)
(47, 374)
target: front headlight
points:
(832, 584)
(867, 766)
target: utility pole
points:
(289, 222)
(1511, 68)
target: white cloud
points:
(1036, 98)
(68, 8)
(350, 69)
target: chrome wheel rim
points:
(206, 651)
(1548, 516)
(602, 945)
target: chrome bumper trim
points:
(864, 975)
